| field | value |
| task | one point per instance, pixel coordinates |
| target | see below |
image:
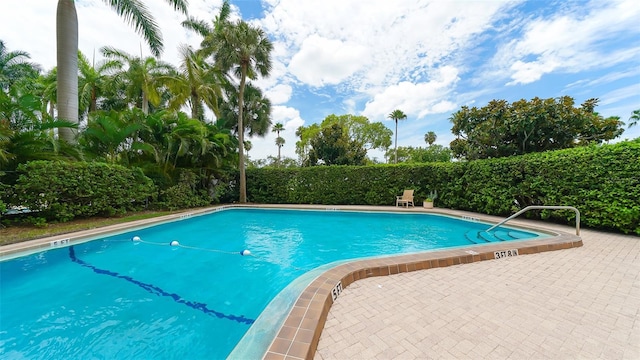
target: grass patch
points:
(18, 233)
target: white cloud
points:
(279, 94)
(443, 107)
(615, 96)
(569, 42)
(607, 78)
(528, 72)
(349, 106)
(365, 45)
(322, 61)
(416, 100)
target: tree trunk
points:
(195, 101)
(94, 100)
(145, 103)
(396, 146)
(67, 59)
(243, 179)
(52, 108)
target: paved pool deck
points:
(577, 303)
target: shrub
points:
(183, 195)
(62, 191)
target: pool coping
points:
(61, 240)
(299, 334)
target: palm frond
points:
(199, 26)
(137, 14)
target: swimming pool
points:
(115, 298)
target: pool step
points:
(483, 237)
(515, 235)
(503, 235)
(488, 237)
(471, 238)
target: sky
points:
(370, 57)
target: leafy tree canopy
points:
(503, 129)
(333, 146)
(357, 128)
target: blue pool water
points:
(115, 298)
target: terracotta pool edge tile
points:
(273, 356)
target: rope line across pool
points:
(245, 252)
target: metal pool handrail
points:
(534, 207)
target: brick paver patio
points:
(580, 303)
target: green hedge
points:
(62, 191)
(603, 182)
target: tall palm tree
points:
(134, 12)
(277, 128)
(195, 83)
(256, 112)
(93, 80)
(396, 115)
(279, 143)
(210, 33)
(430, 137)
(246, 51)
(143, 78)
(247, 146)
(67, 65)
(47, 89)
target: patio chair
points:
(406, 199)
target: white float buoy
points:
(174, 243)
(245, 252)
(135, 238)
